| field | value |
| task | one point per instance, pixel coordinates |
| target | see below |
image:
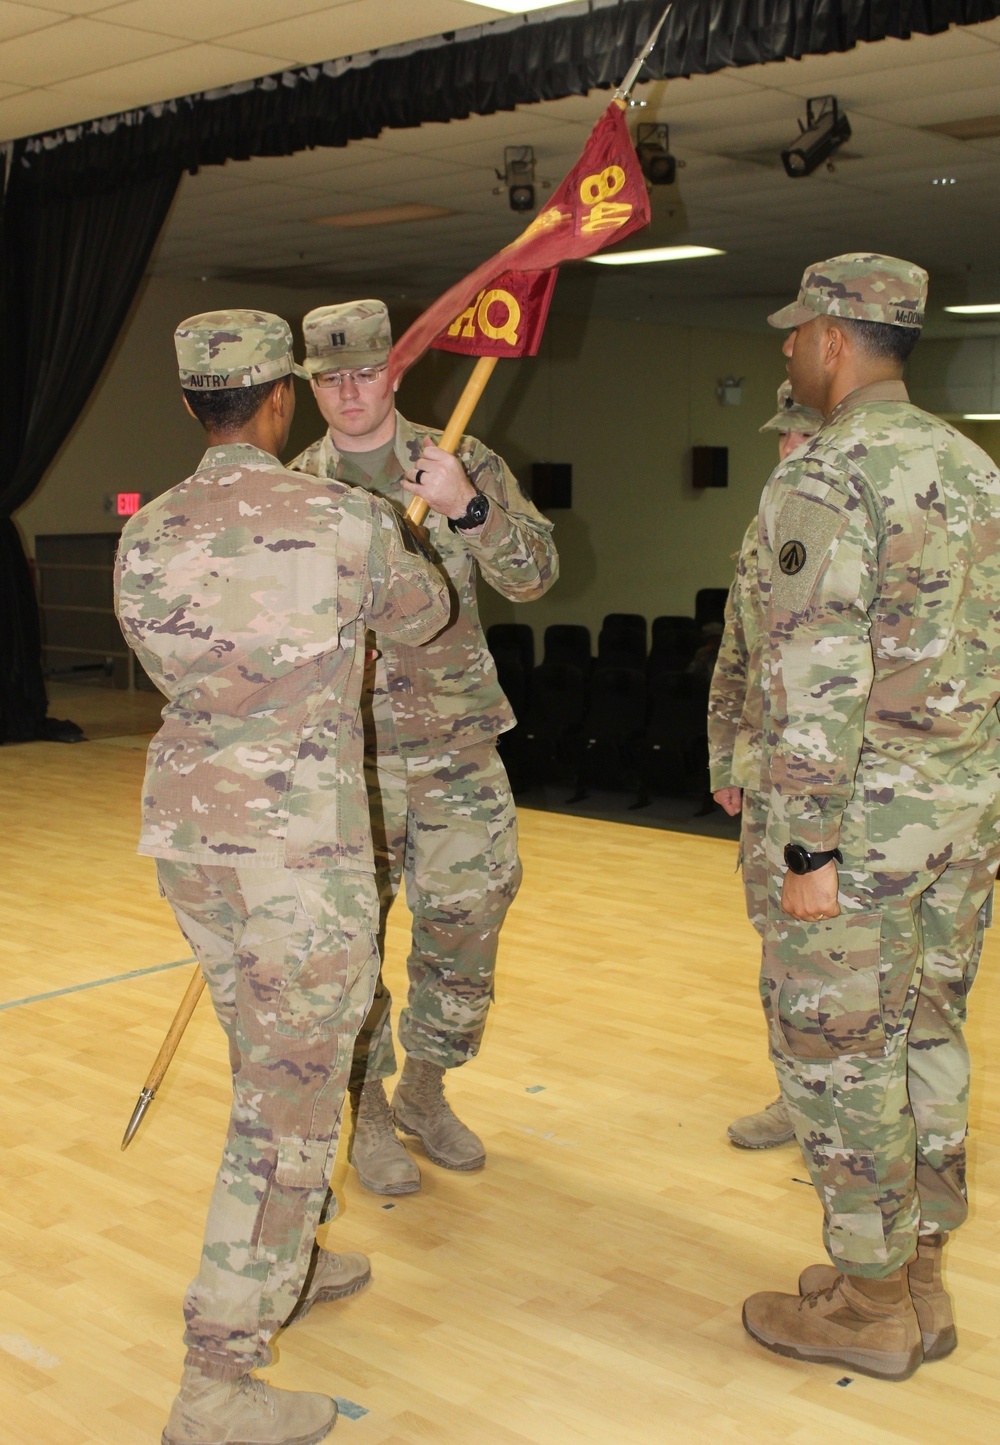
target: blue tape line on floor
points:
(97, 983)
(349, 1410)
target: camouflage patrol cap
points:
(860, 287)
(223, 350)
(792, 417)
(353, 333)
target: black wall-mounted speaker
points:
(552, 485)
(710, 466)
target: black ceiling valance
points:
(478, 71)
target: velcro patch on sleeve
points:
(804, 542)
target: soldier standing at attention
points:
(880, 568)
(442, 811)
(245, 592)
(735, 721)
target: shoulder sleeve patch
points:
(803, 545)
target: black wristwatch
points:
(474, 516)
(800, 860)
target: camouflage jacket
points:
(445, 694)
(245, 592)
(879, 564)
(735, 704)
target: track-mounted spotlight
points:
(825, 129)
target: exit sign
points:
(127, 503)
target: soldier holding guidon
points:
(246, 592)
(442, 811)
(879, 565)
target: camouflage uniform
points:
(245, 592)
(878, 565)
(735, 701)
(442, 811)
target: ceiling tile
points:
(21, 19)
(71, 7)
(932, 107)
(73, 48)
(198, 20)
(31, 111)
(190, 68)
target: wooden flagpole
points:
(457, 422)
(167, 1050)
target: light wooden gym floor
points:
(585, 1287)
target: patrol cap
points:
(860, 286)
(792, 417)
(223, 350)
(350, 334)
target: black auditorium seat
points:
(612, 730)
(551, 735)
(710, 605)
(622, 641)
(567, 644)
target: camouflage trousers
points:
(753, 857)
(866, 1014)
(448, 825)
(290, 960)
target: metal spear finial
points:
(622, 93)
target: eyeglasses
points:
(364, 377)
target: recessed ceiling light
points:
(990, 308)
(655, 253)
(981, 416)
(384, 216)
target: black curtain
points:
(70, 264)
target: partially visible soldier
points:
(735, 719)
(879, 563)
(245, 592)
(442, 810)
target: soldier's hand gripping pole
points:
(167, 1050)
(457, 422)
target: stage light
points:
(652, 146)
(518, 175)
(825, 129)
(654, 253)
(988, 308)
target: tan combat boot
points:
(765, 1130)
(931, 1300)
(331, 1276)
(245, 1411)
(866, 1325)
(377, 1153)
(420, 1107)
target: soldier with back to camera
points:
(879, 564)
(246, 592)
(442, 810)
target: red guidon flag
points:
(500, 308)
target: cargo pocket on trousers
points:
(316, 987)
(503, 841)
(823, 981)
(302, 1166)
